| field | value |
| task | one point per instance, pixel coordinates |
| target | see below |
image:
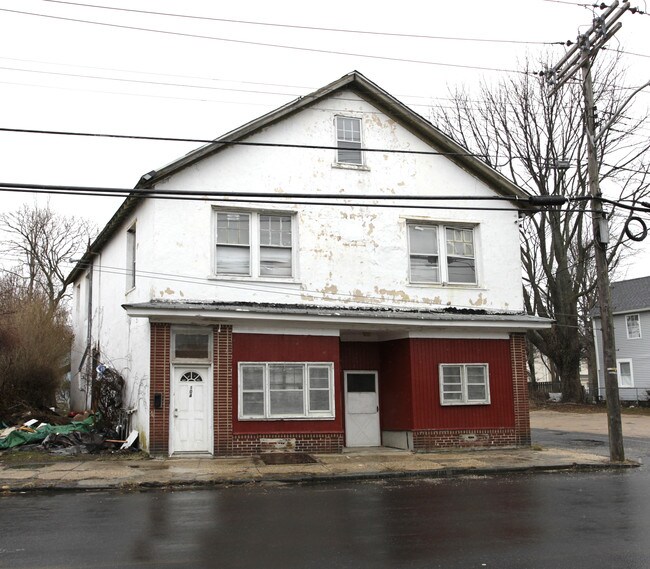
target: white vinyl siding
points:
(441, 254)
(286, 390)
(252, 244)
(464, 384)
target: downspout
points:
(89, 334)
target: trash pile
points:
(106, 429)
(78, 434)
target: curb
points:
(313, 478)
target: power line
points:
(145, 82)
(234, 142)
(263, 44)
(159, 74)
(301, 27)
(281, 199)
(150, 95)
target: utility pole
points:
(581, 56)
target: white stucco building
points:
(337, 272)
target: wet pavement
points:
(380, 463)
(576, 520)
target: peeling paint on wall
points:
(330, 289)
(480, 301)
(393, 294)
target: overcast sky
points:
(62, 73)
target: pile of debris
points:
(73, 435)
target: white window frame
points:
(619, 375)
(443, 254)
(628, 317)
(191, 330)
(464, 383)
(340, 142)
(131, 256)
(308, 413)
(254, 245)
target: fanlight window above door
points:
(191, 376)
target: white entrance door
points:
(361, 409)
(190, 421)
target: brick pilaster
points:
(520, 388)
(223, 394)
(159, 383)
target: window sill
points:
(464, 403)
(266, 420)
(344, 166)
(447, 285)
(243, 278)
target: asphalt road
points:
(531, 521)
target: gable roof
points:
(633, 294)
(365, 89)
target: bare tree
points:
(39, 242)
(538, 141)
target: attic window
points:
(348, 141)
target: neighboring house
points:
(631, 310)
(304, 321)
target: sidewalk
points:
(125, 474)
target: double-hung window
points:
(286, 390)
(441, 254)
(348, 141)
(633, 326)
(254, 244)
(464, 384)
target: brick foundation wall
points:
(461, 438)
(159, 383)
(520, 389)
(250, 444)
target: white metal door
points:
(361, 409)
(190, 421)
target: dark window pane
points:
(361, 383)
(192, 346)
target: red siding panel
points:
(395, 386)
(361, 356)
(286, 348)
(428, 413)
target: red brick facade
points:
(231, 440)
(520, 387)
(160, 368)
(222, 362)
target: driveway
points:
(633, 425)
(587, 432)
